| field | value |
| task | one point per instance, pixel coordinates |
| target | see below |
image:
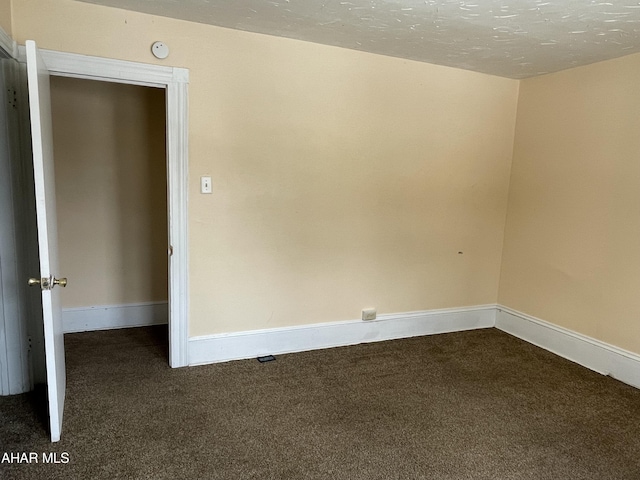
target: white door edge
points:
(44, 182)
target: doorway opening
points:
(174, 81)
(40, 66)
(111, 195)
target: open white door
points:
(42, 144)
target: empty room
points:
(362, 240)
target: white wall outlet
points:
(369, 314)
(205, 185)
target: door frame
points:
(8, 46)
(174, 81)
(14, 363)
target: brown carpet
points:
(469, 405)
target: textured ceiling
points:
(516, 39)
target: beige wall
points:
(5, 16)
(342, 180)
(111, 191)
(571, 252)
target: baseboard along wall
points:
(107, 317)
(591, 353)
(241, 345)
(598, 356)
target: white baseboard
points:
(255, 343)
(591, 353)
(107, 317)
(586, 351)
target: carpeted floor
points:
(469, 405)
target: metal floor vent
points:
(266, 358)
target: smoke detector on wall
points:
(160, 50)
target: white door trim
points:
(8, 46)
(175, 81)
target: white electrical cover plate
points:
(369, 314)
(205, 185)
(160, 50)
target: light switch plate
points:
(205, 185)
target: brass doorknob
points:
(46, 283)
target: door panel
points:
(42, 146)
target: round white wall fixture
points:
(160, 50)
